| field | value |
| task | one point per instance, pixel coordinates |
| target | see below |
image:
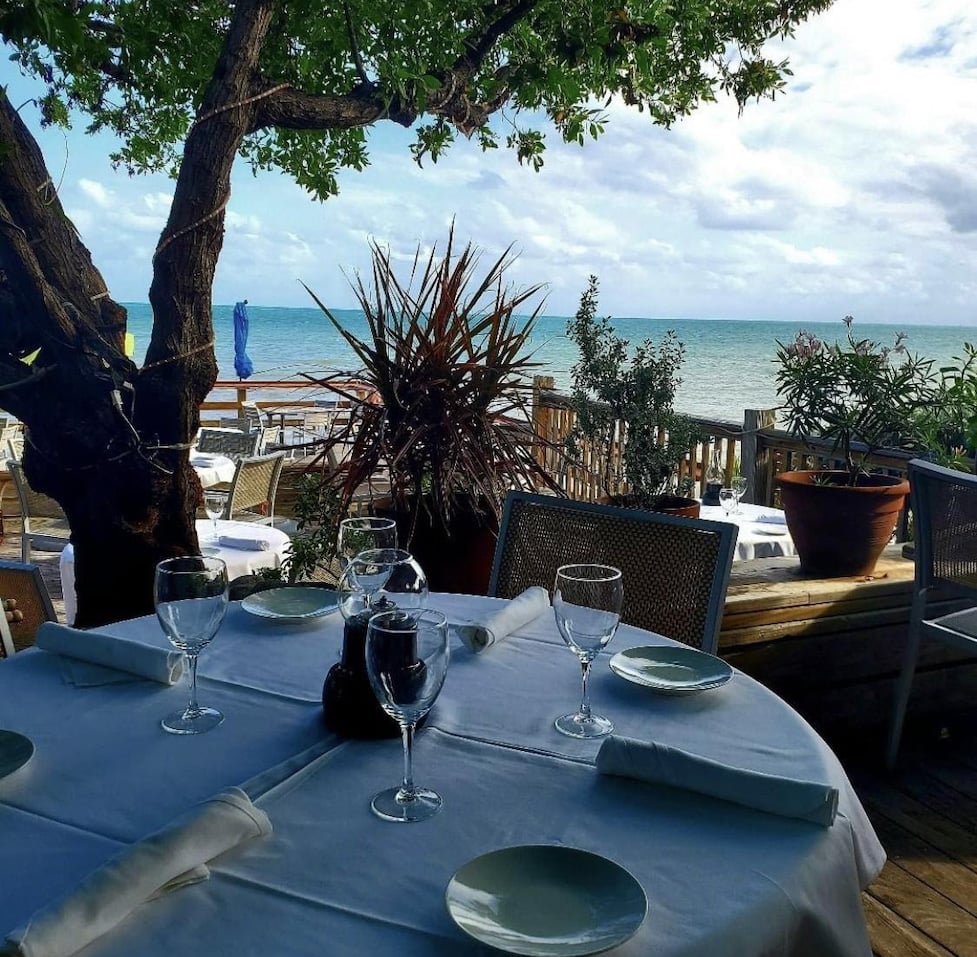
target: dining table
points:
(211, 468)
(761, 530)
(719, 878)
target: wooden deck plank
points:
(892, 936)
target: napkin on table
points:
(780, 519)
(245, 543)
(119, 654)
(510, 617)
(164, 861)
(661, 764)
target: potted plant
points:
(446, 421)
(862, 397)
(626, 424)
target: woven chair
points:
(675, 569)
(23, 582)
(253, 489)
(944, 508)
(44, 524)
(235, 445)
(12, 441)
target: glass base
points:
(192, 722)
(584, 726)
(390, 806)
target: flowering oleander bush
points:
(859, 394)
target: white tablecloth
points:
(211, 468)
(239, 561)
(721, 880)
(754, 539)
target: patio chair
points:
(944, 508)
(23, 583)
(235, 445)
(675, 570)
(253, 489)
(45, 526)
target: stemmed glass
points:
(191, 599)
(380, 578)
(727, 498)
(214, 504)
(359, 534)
(739, 485)
(587, 603)
(407, 659)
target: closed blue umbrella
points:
(243, 366)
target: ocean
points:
(729, 364)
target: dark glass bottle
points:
(349, 706)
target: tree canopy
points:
(327, 72)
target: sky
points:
(854, 192)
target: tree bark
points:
(107, 441)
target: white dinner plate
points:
(546, 901)
(15, 751)
(763, 529)
(292, 603)
(669, 670)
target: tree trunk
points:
(107, 441)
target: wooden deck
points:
(925, 902)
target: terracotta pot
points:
(667, 504)
(839, 530)
(457, 559)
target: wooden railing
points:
(286, 400)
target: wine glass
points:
(359, 534)
(407, 659)
(381, 579)
(191, 599)
(587, 603)
(214, 504)
(739, 485)
(727, 498)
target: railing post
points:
(755, 457)
(242, 397)
(541, 417)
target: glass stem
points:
(192, 706)
(585, 691)
(407, 788)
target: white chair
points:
(235, 445)
(45, 526)
(944, 508)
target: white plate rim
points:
(671, 687)
(253, 604)
(559, 949)
(15, 737)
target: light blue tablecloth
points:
(720, 879)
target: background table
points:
(212, 469)
(754, 539)
(239, 561)
(720, 879)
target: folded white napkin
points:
(661, 764)
(97, 648)
(510, 617)
(204, 458)
(780, 519)
(164, 861)
(246, 543)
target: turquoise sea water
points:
(729, 364)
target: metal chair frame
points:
(37, 507)
(6, 640)
(944, 509)
(679, 596)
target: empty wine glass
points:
(360, 534)
(191, 599)
(381, 579)
(739, 485)
(407, 659)
(214, 504)
(587, 603)
(727, 498)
